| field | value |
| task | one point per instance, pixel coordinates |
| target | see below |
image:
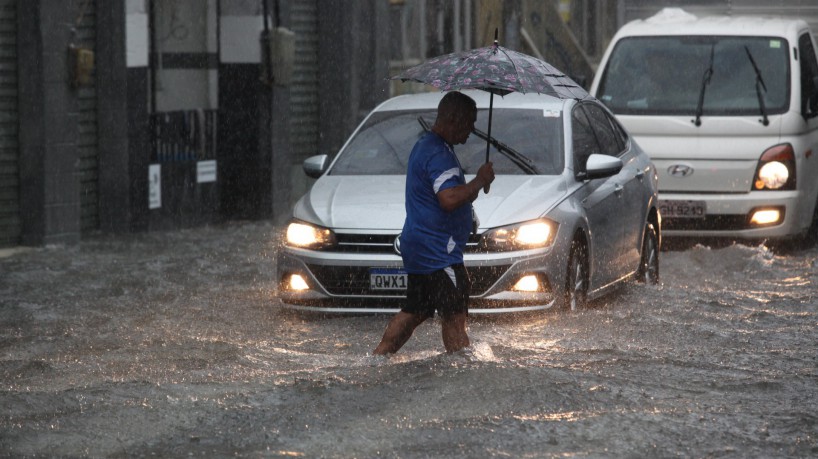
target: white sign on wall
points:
(154, 186)
(206, 171)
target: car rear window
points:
(664, 75)
(531, 142)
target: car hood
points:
(377, 202)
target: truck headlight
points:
(528, 235)
(773, 175)
(776, 169)
(309, 236)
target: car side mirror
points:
(315, 166)
(602, 166)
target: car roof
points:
(676, 21)
(430, 100)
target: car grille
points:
(354, 280)
(379, 243)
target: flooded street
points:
(170, 344)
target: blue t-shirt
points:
(432, 238)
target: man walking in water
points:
(439, 219)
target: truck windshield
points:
(524, 142)
(664, 76)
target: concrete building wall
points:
(48, 114)
(193, 60)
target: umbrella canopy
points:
(494, 69)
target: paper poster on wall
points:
(154, 186)
(206, 171)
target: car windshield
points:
(527, 142)
(669, 75)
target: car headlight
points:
(306, 235)
(776, 169)
(527, 235)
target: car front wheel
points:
(649, 264)
(575, 294)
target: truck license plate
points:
(683, 209)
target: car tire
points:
(575, 292)
(648, 271)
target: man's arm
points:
(454, 197)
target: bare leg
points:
(398, 332)
(454, 332)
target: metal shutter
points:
(304, 88)
(10, 226)
(87, 136)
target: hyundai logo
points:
(679, 170)
(396, 245)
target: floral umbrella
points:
(494, 69)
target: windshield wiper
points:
(705, 81)
(759, 84)
(424, 124)
(516, 157)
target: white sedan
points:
(571, 215)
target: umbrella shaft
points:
(488, 140)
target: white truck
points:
(727, 108)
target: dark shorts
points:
(436, 291)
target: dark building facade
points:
(139, 115)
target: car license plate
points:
(683, 209)
(388, 279)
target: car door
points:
(632, 179)
(602, 204)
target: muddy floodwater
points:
(172, 344)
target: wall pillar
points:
(115, 178)
(354, 65)
(254, 147)
(48, 113)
